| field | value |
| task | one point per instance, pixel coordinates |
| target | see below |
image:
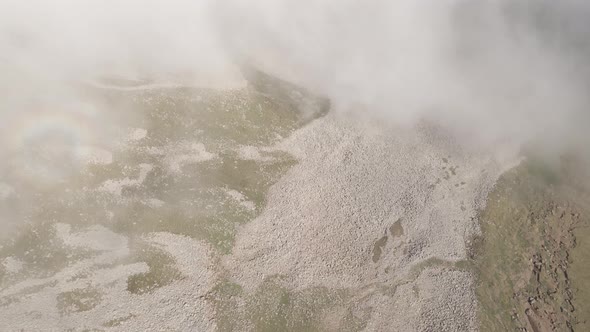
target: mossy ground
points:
(530, 261)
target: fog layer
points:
(491, 70)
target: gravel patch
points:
(329, 216)
(92, 294)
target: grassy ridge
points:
(528, 253)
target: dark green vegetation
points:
(532, 259)
(78, 300)
(273, 307)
